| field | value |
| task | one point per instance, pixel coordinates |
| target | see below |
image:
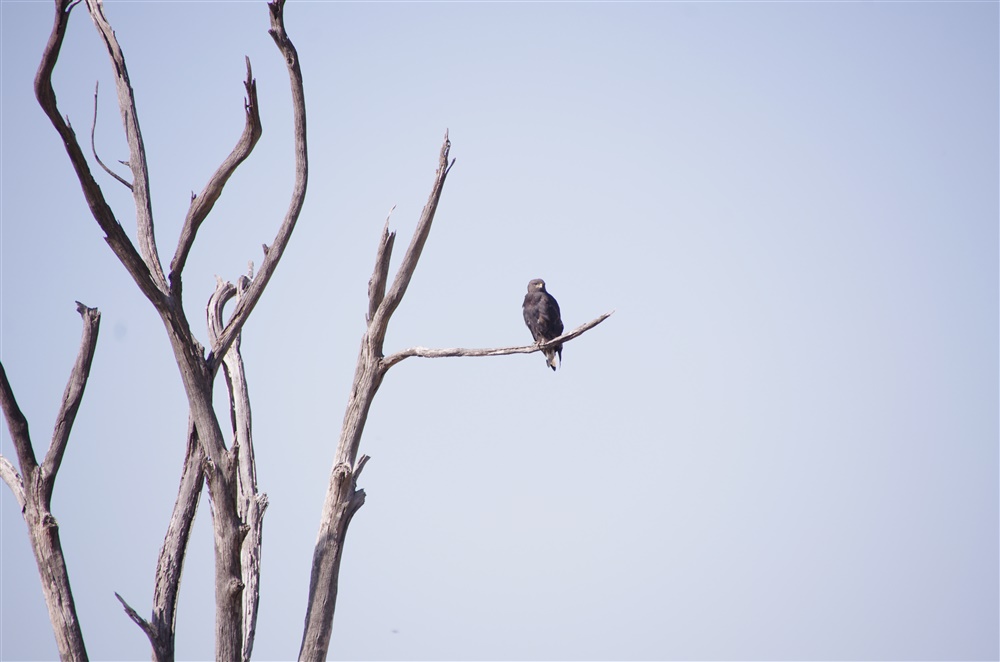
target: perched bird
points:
(541, 314)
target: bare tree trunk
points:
(34, 490)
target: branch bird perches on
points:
(424, 352)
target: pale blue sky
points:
(783, 445)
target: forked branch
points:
(114, 233)
(137, 151)
(33, 490)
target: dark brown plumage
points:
(541, 314)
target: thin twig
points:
(93, 145)
(115, 235)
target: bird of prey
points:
(541, 314)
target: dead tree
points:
(343, 498)
(236, 506)
(33, 489)
(229, 472)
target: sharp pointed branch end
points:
(134, 615)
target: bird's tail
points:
(550, 358)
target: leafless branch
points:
(273, 254)
(73, 395)
(202, 204)
(137, 151)
(424, 352)
(114, 234)
(93, 146)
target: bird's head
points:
(536, 285)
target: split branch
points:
(250, 503)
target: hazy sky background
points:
(783, 445)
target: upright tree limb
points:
(72, 396)
(245, 305)
(34, 490)
(203, 203)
